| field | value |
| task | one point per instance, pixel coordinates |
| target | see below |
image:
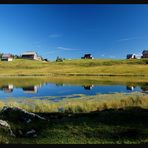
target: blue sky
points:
(71, 30)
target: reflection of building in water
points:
(40, 85)
(144, 87)
(59, 84)
(7, 88)
(30, 89)
(88, 87)
(130, 88)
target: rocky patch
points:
(6, 127)
(18, 114)
(26, 124)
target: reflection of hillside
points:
(30, 89)
(7, 88)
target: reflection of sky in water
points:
(56, 90)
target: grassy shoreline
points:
(78, 103)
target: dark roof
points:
(145, 52)
(130, 54)
(87, 54)
(6, 56)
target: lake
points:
(41, 87)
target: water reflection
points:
(88, 87)
(23, 89)
(59, 84)
(144, 87)
(26, 89)
(130, 88)
(7, 88)
(34, 88)
(30, 89)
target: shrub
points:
(59, 59)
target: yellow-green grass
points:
(81, 104)
(75, 67)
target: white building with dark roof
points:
(31, 55)
(131, 56)
(7, 57)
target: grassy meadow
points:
(20, 67)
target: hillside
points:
(75, 67)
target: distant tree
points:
(15, 56)
(45, 60)
(1, 55)
(42, 59)
(59, 59)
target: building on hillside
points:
(7, 57)
(87, 56)
(131, 56)
(144, 54)
(31, 55)
(138, 56)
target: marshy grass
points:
(80, 104)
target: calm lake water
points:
(10, 88)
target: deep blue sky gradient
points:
(71, 30)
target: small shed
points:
(131, 56)
(87, 56)
(7, 57)
(145, 54)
